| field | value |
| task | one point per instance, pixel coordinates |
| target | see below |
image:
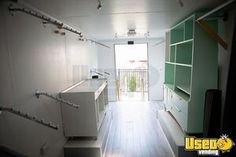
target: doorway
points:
(131, 72)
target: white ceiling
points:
(117, 16)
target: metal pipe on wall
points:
(38, 93)
(29, 117)
(25, 8)
(46, 18)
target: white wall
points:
(156, 70)
(106, 62)
(156, 53)
(33, 57)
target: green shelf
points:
(182, 94)
(169, 73)
(177, 34)
(172, 53)
(184, 53)
(183, 78)
(170, 86)
(189, 28)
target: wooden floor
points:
(135, 132)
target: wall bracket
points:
(203, 23)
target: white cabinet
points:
(166, 98)
(85, 121)
(177, 106)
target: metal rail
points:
(51, 20)
(46, 18)
(38, 93)
(98, 43)
(104, 74)
(216, 9)
(29, 117)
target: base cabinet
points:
(177, 106)
(85, 121)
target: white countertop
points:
(88, 85)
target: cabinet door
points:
(170, 100)
(97, 111)
(167, 98)
(179, 110)
(180, 103)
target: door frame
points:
(124, 42)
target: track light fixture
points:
(99, 7)
(132, 33)
(181, 3)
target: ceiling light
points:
(99, 7)
(181, 3)
(131, 32)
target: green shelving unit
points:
(190, 69)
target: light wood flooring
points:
(135, 132)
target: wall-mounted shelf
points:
(169, 74)
(185, 65)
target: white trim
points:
(216, 9)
